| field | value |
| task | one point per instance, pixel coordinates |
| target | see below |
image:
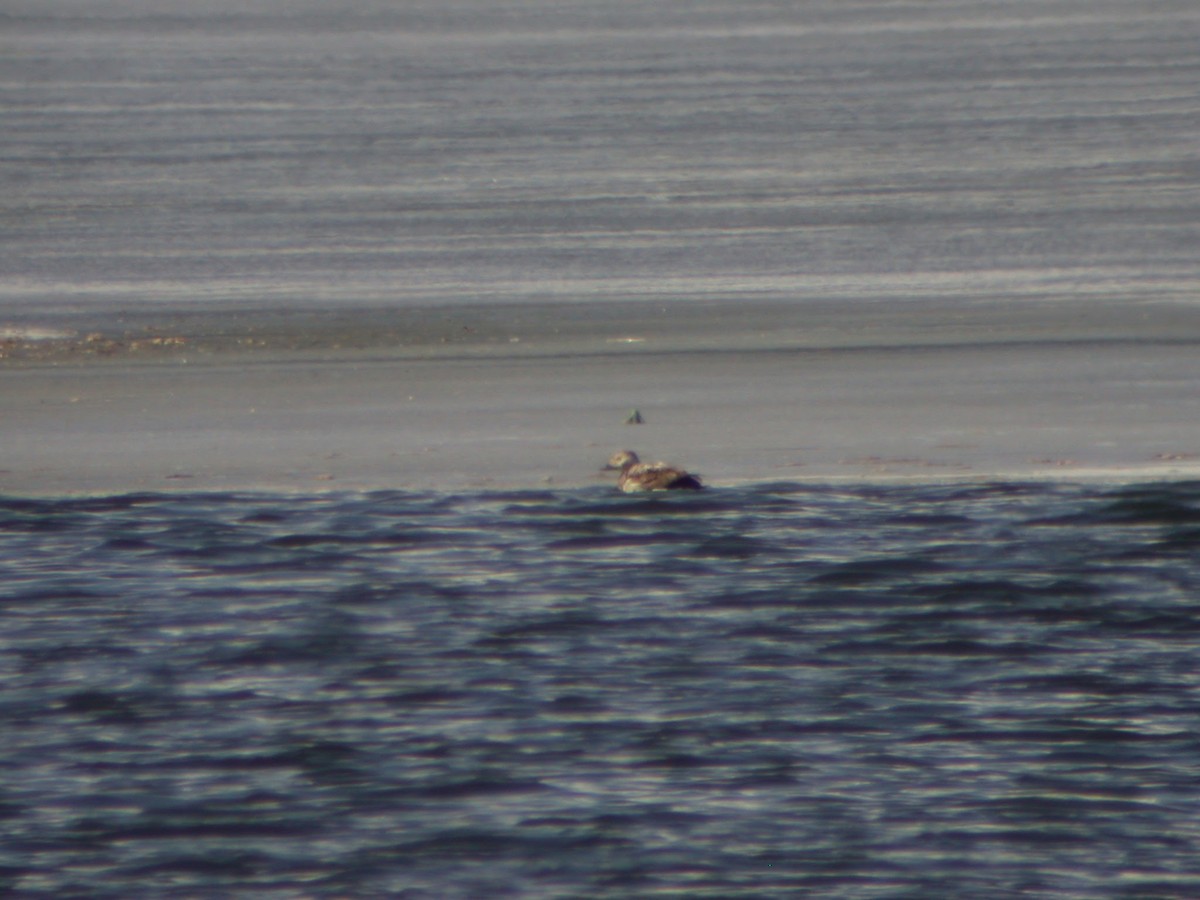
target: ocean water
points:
(235, 154)
(858, 691)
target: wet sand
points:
(484, 398)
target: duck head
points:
(622, 459)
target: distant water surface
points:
(275, 154)
(983, 690)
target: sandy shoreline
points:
(73, 335)
(1001, 392)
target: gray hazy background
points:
(464, 239)
(284, 153)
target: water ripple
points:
(779, 689)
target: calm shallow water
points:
(985, 690)
(279, 155)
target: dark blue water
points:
(778, 690)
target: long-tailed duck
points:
(658, 476)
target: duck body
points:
(638, 476)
